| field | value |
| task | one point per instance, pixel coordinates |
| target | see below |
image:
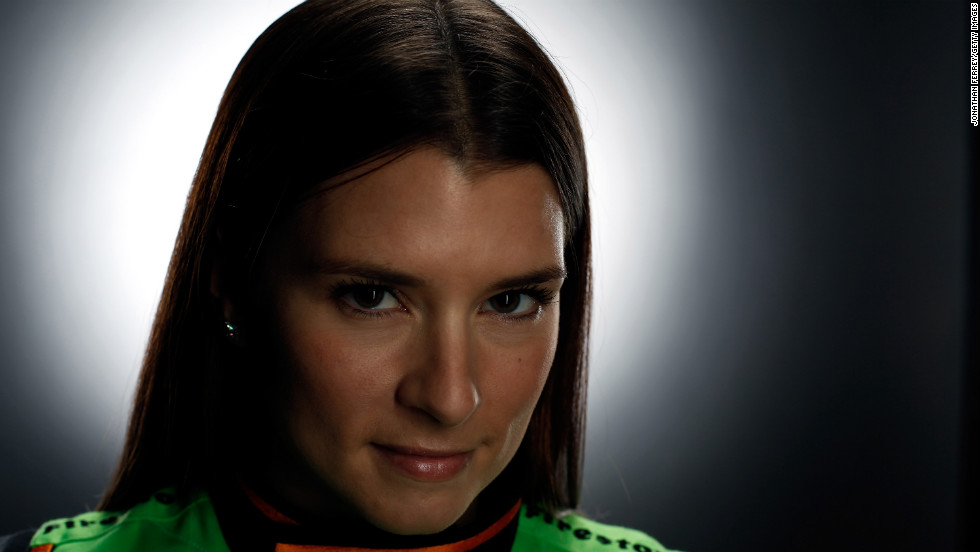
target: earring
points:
(233, 333)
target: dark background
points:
(794, 370)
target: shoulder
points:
(539, 531)
(164, 522)
(16, 542)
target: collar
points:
(249, 523)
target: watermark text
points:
(974, 51)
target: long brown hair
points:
(330, 86)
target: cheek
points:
(326, 363)
(516, 376)
(335, 375)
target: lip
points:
(426, 465)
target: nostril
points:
(454, 411)
(448, 404)
(445, 392)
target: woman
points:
(373, 330)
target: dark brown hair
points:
(329, 87)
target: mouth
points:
(425, 465)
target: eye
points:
(370, 297)
(511, 302)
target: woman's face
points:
(416, 311)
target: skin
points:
(398, 310)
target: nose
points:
(442, 381)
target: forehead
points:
(421, 213)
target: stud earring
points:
(233, 333)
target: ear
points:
(221, 286)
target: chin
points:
(415, 527)
(426, 524)
(417, 517)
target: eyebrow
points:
(367, 271)
(532, 278)
(385, 275)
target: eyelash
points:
(345, 287)
(542, 296)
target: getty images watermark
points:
(974, 94)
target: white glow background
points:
(780, 233)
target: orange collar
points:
(464, 545)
